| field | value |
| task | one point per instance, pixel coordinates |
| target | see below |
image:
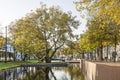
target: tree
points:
(69, 49)
(24, 38)
(103, 20)
(2, 41)
(50, 27)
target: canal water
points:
(70, 72)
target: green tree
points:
(24, 38)
(2, 40)
(103, 21)
(50, 27)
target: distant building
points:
(110, 50)
(10, 48)
(10, 52)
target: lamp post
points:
(14, 57)
(5, 44)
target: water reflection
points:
(72, 72)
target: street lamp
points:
(6, 45)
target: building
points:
(107, 52)
(10, 53)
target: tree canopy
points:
(42, 32)
(103, 24)
(2, 41)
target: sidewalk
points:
(101, 70)
(108, 71)
(109, 63)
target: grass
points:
(32, 61)
(18, 63)
(54, 63)
(7, 65)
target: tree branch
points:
(56, 50)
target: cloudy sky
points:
(15, 9)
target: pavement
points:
(109, 63)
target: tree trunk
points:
(14, 56)
(83, 55)
(97, 53)
(47, 58)
(91, 54)
(107, 53)
(115, 42)
(101, 52)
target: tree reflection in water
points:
(41, 73)
(75, 72)
(72, 72)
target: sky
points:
(10, 10)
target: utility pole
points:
(5, 44)
(14, 50)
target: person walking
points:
(114, 54)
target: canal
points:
(70, 72)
